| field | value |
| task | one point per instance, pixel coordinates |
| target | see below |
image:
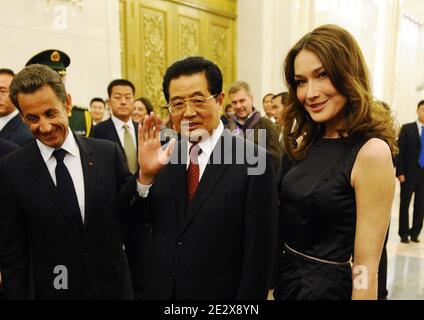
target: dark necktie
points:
(65, 185)
(421, 157)
(193, 172)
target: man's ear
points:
(220, 98)
(68, 103)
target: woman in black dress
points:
(336, 199)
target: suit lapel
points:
(113, 134)
(209, 180)
(40, 172)
(136, 134)
(178, 177)
(89, 169)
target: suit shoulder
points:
(96, 143)
(246, 143)
(409, 125)
(104, 124)
(101, 127)
(17, 156)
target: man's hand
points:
(401, 178)
(151, 157)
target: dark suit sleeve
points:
(400, 160)
(130, 206)
(14, 251)
(260, 232)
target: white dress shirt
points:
(72, 162)
(119, 126)
(206, 146)
(4, 120)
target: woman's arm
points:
(373, 179)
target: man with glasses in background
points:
(249, 123)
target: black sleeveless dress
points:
(317, 224)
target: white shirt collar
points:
(209, 144)
(69, 145)
(4, 120)
(119, 123)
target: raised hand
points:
(151, 157)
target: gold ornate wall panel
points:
(156, 33)
(219, 41)
(124, 41)
(188, 32)
(153, 52)
(226, 8)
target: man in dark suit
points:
(11, 126)
(410, 172)
(5, 148)
(214, 217)
(61, 198)
(121, 129)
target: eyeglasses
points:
(198, 103)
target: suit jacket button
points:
(171, 276)
(180, 243)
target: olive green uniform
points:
(80, 121)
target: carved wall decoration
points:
(155, 33)
(219, 46)
(123, 39)
(154, 59)
(188, 37)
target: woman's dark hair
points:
(147, 103)
(345, 65)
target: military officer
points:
(80, 119)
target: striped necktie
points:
(193, 172)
